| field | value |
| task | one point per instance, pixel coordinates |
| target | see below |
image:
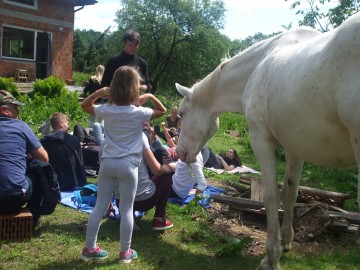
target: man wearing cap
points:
(17, 141)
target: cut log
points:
(351, 217)
(337, 197)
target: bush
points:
(39, 108)
(80, 78)
(9, 85)
(49, 87)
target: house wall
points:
(54, 17)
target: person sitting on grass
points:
(186, 176)
(172, 124)
(18, 143)
(228, 161)
(153, 192)
(65, 154)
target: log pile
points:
(315, 212)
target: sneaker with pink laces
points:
(127, 257)
(160, 224)
(94, 254)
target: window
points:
(22, 3)
(18, 43)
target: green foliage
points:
(168, 37)
(90, 49)
(9, 85)
(80, 78)
(49, 87)
(317, 15)
(235, 247)
(38, 108)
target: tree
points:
(180, 38)
(322, 18)
(89, 49)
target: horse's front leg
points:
(264, 151)
(289, 194)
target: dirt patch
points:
(311, 234)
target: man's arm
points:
(40, 154)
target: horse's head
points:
(198, 124)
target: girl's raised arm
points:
(158, 110)
(88, 104)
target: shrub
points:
(9, 85)
(49, 87)
(38, 108)
(80, 78)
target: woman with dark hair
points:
(228, 161)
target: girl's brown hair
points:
(124, 87)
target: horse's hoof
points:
(286, 248)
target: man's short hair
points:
(132, 35)
(56, 118)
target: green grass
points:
(194, 240)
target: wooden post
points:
(257, 190)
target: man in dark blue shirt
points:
(17, 142)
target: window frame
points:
(14, 3)
(21, 28)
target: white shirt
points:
(186, 176)
(145, 188)
(123, 127)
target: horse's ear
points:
(184, 91)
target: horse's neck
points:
(233, 78)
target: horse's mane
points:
(203, 91)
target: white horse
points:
(300, 91)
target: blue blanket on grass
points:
(67, 198)
(204, 202)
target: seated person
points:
(186, 176)
(17, 141)
(89, 149)
(92, 85)
(90, 136)
(155, 192)
(153, 139)
(228, 161)
(98, 132)
(65, 154)
(171, 143)
(172, 124)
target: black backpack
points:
(46, 190)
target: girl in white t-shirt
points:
(121, 155)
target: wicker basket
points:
(16, 227)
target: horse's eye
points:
(181, 114)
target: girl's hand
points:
(105, 92)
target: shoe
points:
(92, 255)
(126, 257)
(160, 224)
